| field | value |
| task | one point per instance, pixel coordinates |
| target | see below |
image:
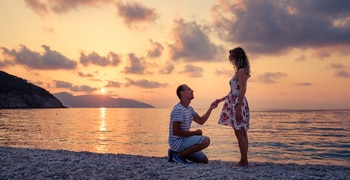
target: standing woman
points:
(235, 111)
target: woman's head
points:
(239, 59)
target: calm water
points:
(314, 137)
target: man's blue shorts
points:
(190, 141)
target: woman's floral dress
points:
(227, 116)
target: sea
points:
(279, 136)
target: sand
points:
(22, 163)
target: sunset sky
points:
(299, 50)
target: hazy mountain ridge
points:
(16, 92)
(95, 101)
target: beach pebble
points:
(21, 163)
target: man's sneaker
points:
(170, 155)
(181, 160)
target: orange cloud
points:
(47, 7)
(134, 12)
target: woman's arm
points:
(242, 79)
(221, 99)
(202, 119)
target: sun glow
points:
(103, 90)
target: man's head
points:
(183, 91)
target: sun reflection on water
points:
(103, 123)
(101, 146)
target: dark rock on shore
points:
(16, 92)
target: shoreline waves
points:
(24, 163)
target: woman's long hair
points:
(240, 59)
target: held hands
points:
(217, 102)
(214, 104)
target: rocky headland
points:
(16, 92)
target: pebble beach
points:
(23, 163)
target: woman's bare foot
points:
(241, 164)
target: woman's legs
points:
(242, 138)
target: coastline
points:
(23, 163)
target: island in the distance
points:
(16, 92)
(96, 101)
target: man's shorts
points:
(190, 141)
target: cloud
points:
(341, 70)
(81, 74)
(67, 85)
(192, 71)
(342, 74)
(277, 26)
(131, 12)
(113, 84)
(304, 84)
(38, 7)
(270, 77)
(7, 58)
(322, 54)
(134, 12)
(5, 63)
(192, 43)
(167, 68)
(136, 65)
(47, 7)
(94, 58)
(337, 66)
(301, 58)
(156, 49)
(63, 84)
(48, 61)
(146, 83)
(114, 58)
(83, 88)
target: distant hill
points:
(95, 101)
(16, 92)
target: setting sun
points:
(103, 90)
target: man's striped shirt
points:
(183, 115)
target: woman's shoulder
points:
(241, 71)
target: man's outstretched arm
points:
(202, 119)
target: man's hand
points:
(198, 132)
